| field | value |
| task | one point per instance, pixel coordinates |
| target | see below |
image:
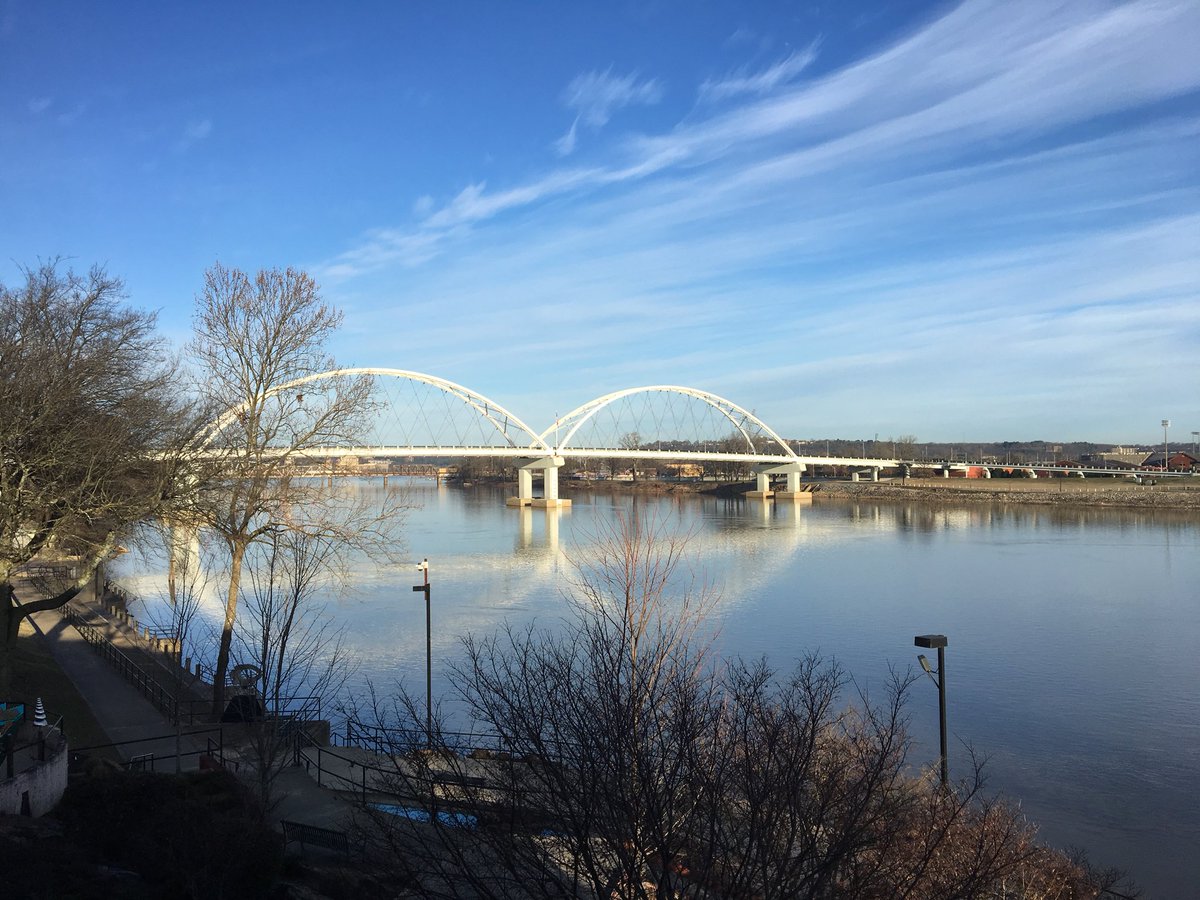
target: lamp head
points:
(925, 664)
(423, 565)
(930, 641)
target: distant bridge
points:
(418, 416)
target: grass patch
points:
(36, 674)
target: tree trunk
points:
(10, 623)
(236, 555)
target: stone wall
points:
(37, 785)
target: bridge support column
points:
(550, 498)
(183, 554)
(875, 473)
(524, 488)
(792, 471)
(762, 487)
(548, 466)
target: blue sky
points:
(975, 221)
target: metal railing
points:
(147, 762)
(166, 698)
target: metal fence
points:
(166, 698)
(214, 750)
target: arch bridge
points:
(414, 415)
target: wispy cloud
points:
(596, 96)
(980, 73)
(565, 145)
(933, 195)
(70, 116)
(745, 81)
(195, 131)
(39, 105)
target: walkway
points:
(126, 715)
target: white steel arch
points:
(493, 412)
(736, 415)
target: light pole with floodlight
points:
(939, 642)
(423, 566)
(1166, 423)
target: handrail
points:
(163, 698)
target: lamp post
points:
(1195, 439)
(1166, 423)
(939, 642)
(423, 566)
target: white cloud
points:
(595, 96)
(979, 74)
(71, 115)
(923, 214)
(195, 131)
(39, 105)
(565, 145)
(745, 82)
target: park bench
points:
(327, 838)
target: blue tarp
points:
(453, 819)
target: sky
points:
(961, 221)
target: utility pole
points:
(1166, 423)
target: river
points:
(1074, 633)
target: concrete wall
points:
(43, 782)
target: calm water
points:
(1074, 635)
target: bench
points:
(316, 836)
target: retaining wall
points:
(37, 788)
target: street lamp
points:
(1195, 439)
(938, 641)
(423, 566)
(1166, 423)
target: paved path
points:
(119, 707)
(126, 715)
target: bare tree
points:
(89, 421)
(255, 341)
(631, 440)
(615, 758)
(177, 619)
(288, 640)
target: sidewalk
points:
(119, 707)
(125, 714)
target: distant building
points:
(1120, 455)
(1177, 461)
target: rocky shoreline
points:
(1052, 494)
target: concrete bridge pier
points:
(548, 466)
(792, 471)
(183, 553)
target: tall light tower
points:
(1166, 423)
(1195, 440)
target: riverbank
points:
(1179, 494)
(1182, 495)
